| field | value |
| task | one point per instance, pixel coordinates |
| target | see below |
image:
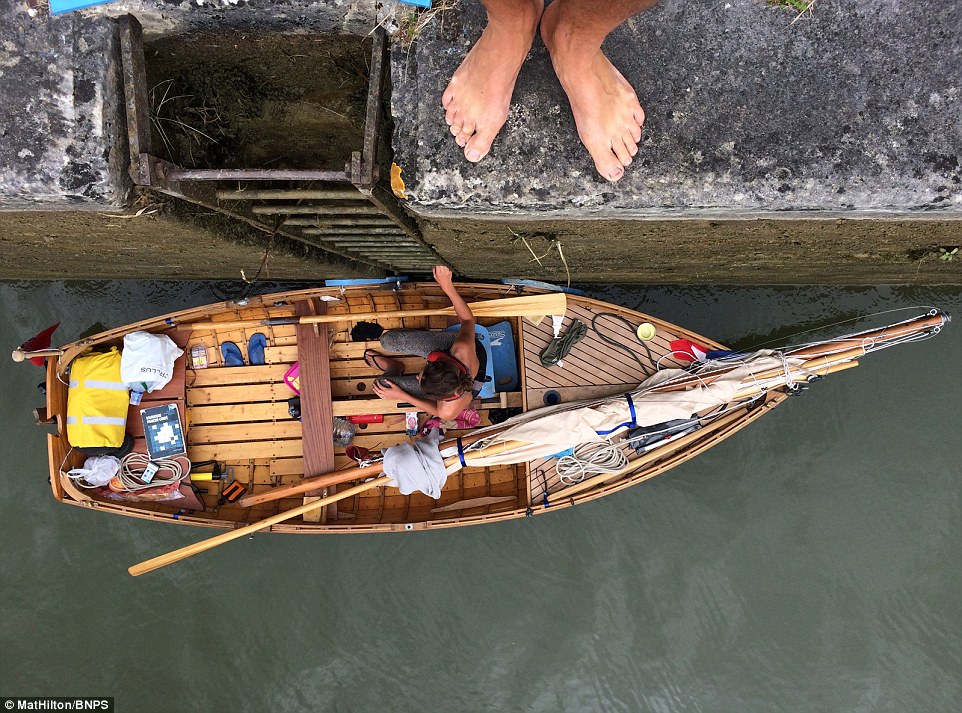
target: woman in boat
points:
(455, 361)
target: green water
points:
(813, 562)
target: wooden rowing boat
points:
(238, 415)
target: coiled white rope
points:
(591, 459)
(132, 468)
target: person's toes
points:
(606, 163)
(450, 115)
(635, 132)
(467, 131)
(631, 144)
(473, 155)
(615, 173)
(621, 151)
(479, 145)
(447, 97)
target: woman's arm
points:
(463, 347)
(444, 277)
(389, 391)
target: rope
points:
(559, 347)
(132, 467)
(590, 459)
(608, 340)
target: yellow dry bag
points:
(97, 402)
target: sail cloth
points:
(417, 466)
(551, 430)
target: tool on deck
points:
(198, 471)
(231, 493)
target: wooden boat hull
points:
(238, 415)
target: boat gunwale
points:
(56, 396)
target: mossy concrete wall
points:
(854, 111)
(756, 126)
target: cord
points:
(590, 459)
(132, 467)
(623, 347)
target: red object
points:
(358, 453)
(685, 350)
(39, 341)
(367, 418)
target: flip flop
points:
(232, 354)
(372, 355)
(255, 349)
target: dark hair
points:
(443, 379)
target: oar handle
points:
(315, 483)
(208, 544)
(526, 306)
(337, 477)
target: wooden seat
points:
(317, 414)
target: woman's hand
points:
(389, 391)
(443, 275)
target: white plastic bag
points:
(97, 470)
(147, 360)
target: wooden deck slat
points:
(255, 431)
(580, 367)
(592, 369)
(247, 393)
(580, 393)
(239, 413)
(235, 375)
(245, 450)
(317, 413)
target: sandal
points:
(395, 368)
(232, 354)
(255, 349)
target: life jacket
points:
(482, 363)
(97, 402)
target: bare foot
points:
(477, 98)
(390, 367)
(606, 109)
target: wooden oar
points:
(526, 306)
(315, 483)
(342, 476)
(208, 544)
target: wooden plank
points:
(255, 431)
(353, 407)
(579, 393)
(233, 375)
(285, 467)
(356, 367)
(245, 450)
(317, 413)
(239, 413)
(238, 394)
